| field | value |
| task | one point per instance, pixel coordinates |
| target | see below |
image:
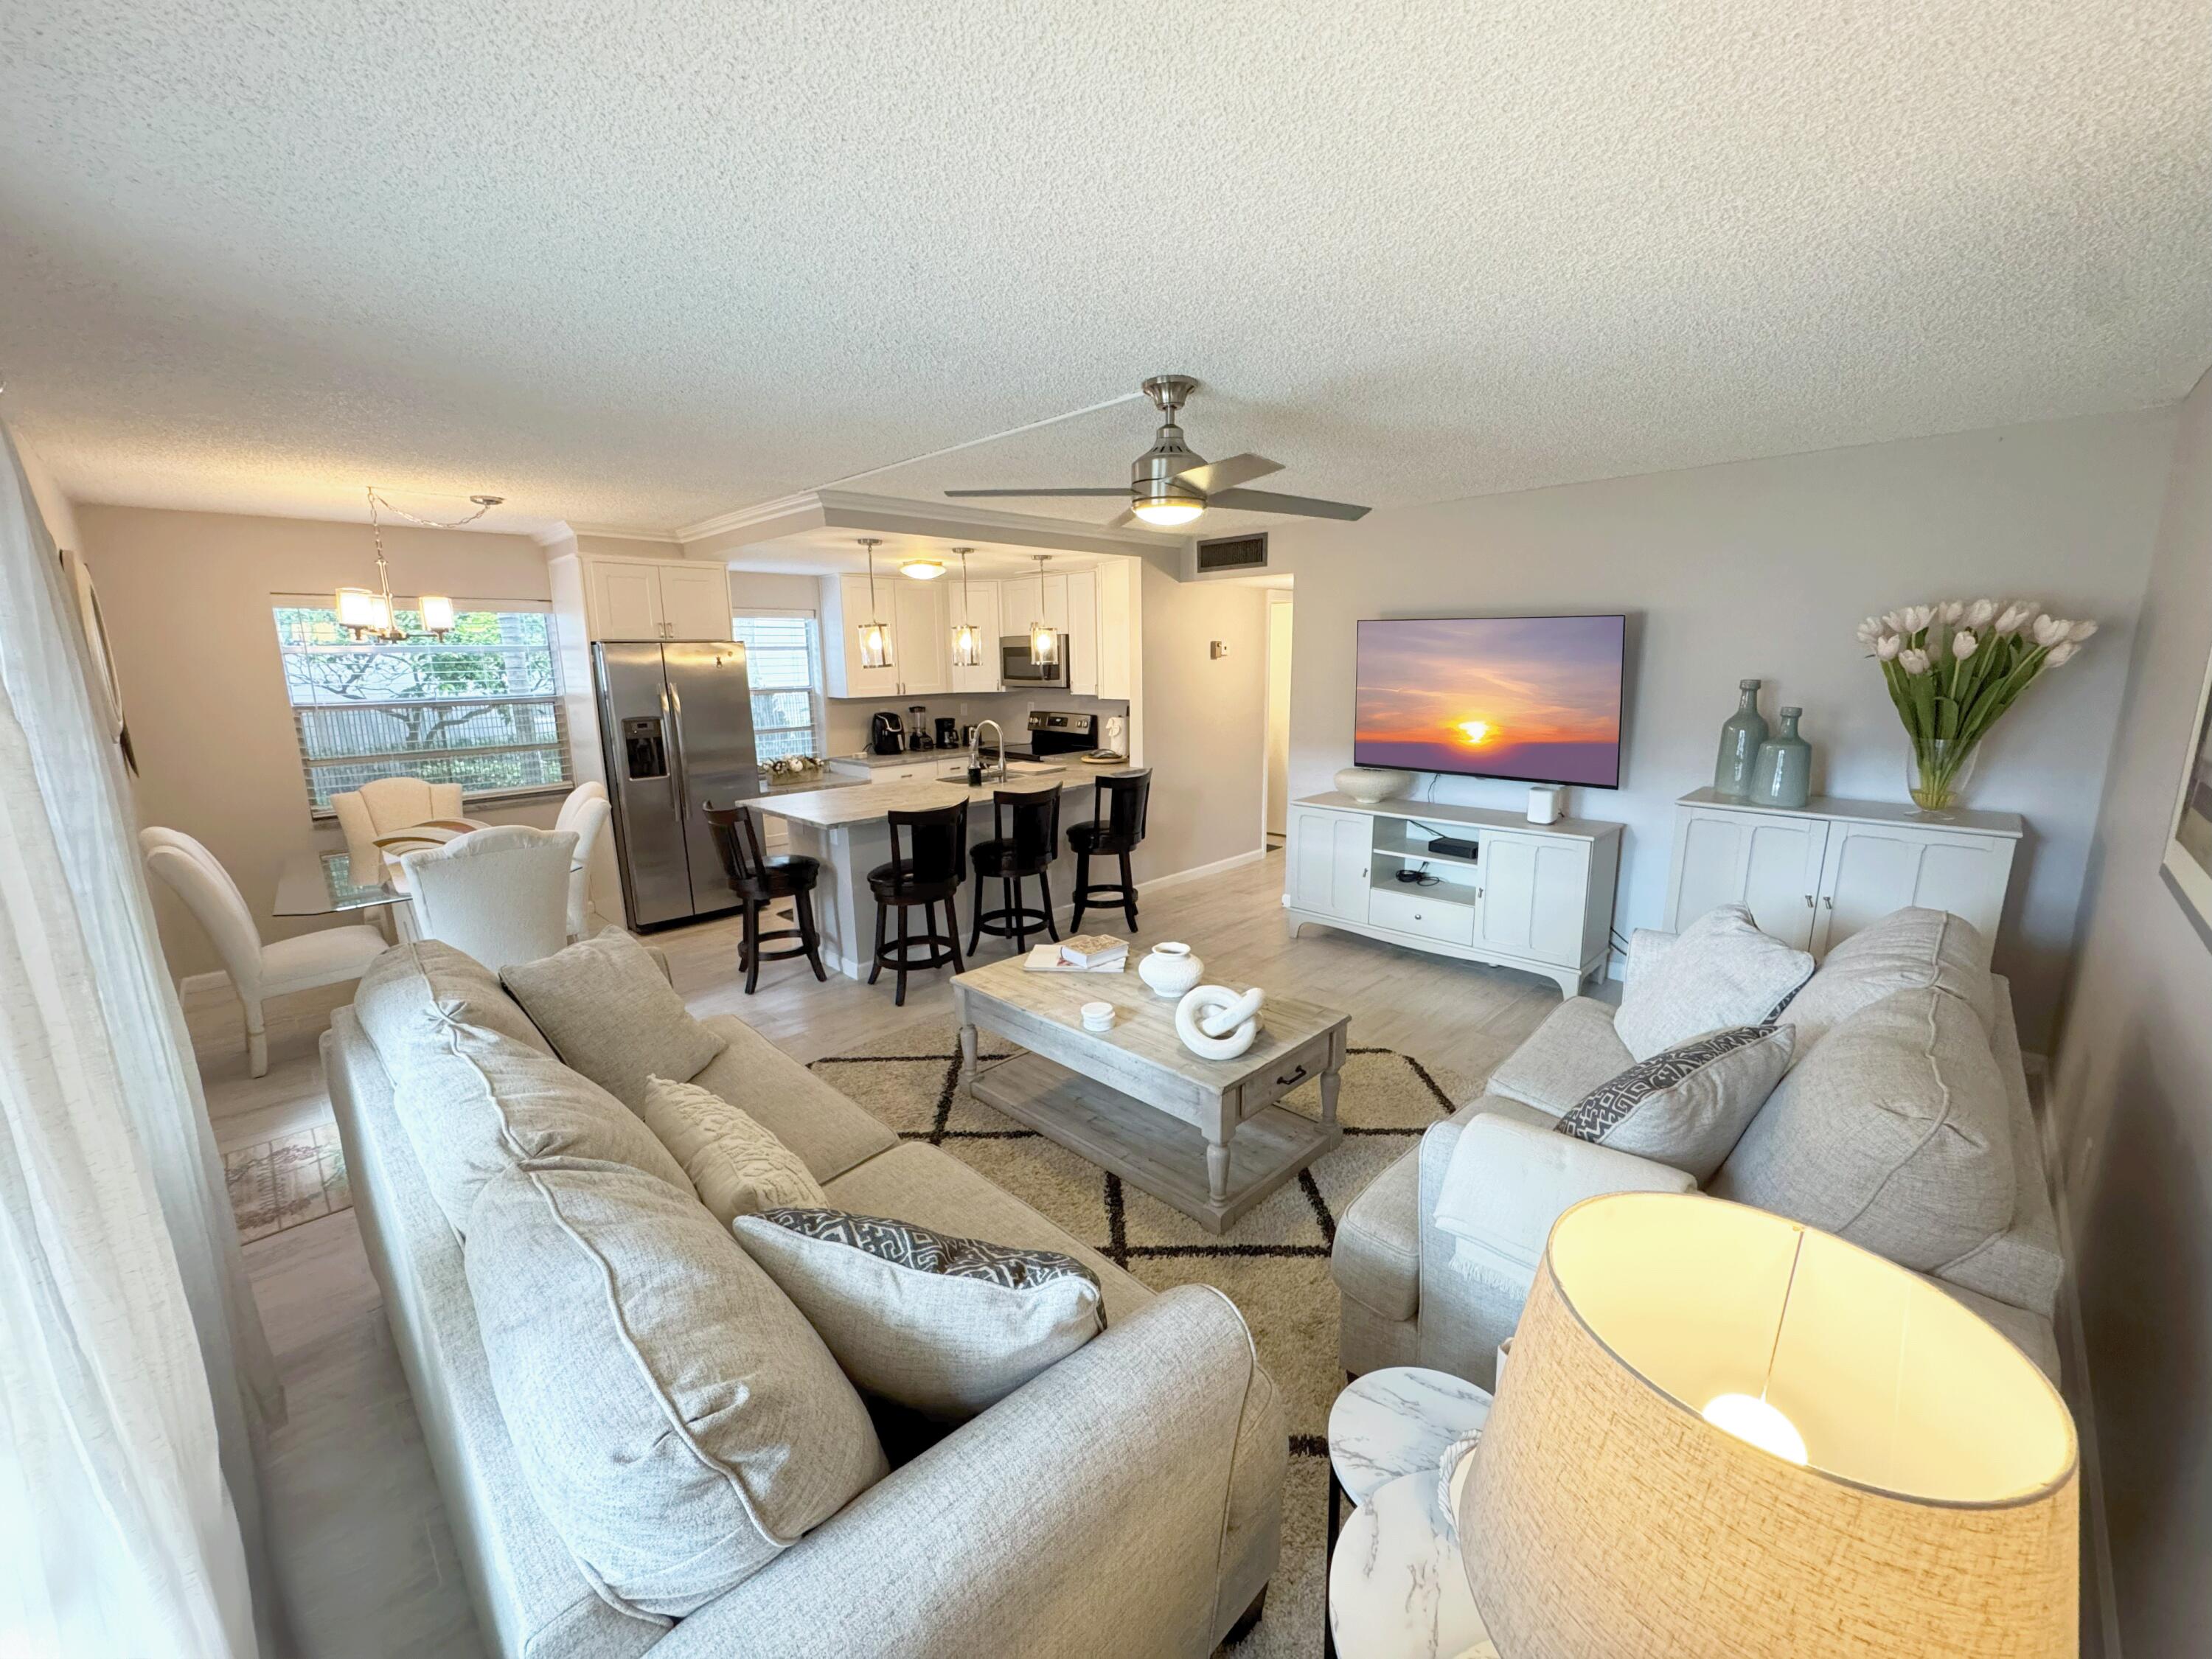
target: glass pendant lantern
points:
(1044, 644)
(875, 633)
(967, 639)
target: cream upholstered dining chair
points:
(383, 806)
(499, 895)
(257, 971)
(585, 812)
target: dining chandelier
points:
(369, 613)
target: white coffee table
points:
(1397, 1586)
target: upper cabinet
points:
(1082, 630)
(1114, 582)
(979, 605)
(1020, 604)
(925, 641)
(920, 643)
(652, 598)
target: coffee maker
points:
(886, 733)
(948, 732)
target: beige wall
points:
(1763, 570)
(187, 600)
(56, 508)
(2132, 1107)
(1205, 721)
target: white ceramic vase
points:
(1170, 969)
(1369, 784)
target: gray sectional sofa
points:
(1912, 1135)
(1133, 1488)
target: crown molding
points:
(745, 517)
(610, 532)
(845, 509)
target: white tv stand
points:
(1537, 897)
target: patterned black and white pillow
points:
(1687, 1106)
(929, 1251)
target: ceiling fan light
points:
(923, 570)
(1168, 514)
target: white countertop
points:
(828, 809)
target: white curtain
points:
(134, 1374)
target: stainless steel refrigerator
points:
(676, 724)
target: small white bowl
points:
(1098, 1016)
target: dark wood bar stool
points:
(928, 873)
(759, 881)
(1117, 825)
(1025, 841)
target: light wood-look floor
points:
(368, 1561)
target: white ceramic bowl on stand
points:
(1170, 969)
(1369, 785)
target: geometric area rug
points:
(1272, 1263)
(280, 1184)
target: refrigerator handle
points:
(671, 698)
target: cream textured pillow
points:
(738, 1167)
(1721, 971)
(610, 1012)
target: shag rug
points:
(283, 1182)
(1273, 1263)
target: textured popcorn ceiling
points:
(641, 264)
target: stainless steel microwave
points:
(1015, 667)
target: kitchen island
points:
(846, 829)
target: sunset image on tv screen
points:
(1536, 698)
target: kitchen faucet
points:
(976, 748)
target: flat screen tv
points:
(1533, 698)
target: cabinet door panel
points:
(925, 646)
(1534, 889)
(1874, 869)
(1709, 858)
(854, 603)
(979, 606)
(695, 601)
(1082, 634)
(1505, 918)
(1328, 863)
(1782, 875)
(1021, 602)
(625, 601)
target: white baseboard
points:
(1197, 871)
(2073, 1357)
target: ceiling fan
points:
(1170, 486)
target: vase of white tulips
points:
(1953, 669)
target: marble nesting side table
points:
(1397, 1587)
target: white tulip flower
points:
(1893, 621)
(2080, 631)
(2017, 616)
(1888, 646)
(1918, 616)
(1870, 630)
(2051, 630)
(2061, 655)
(1914, 661)
(1963, 645)
(1950, 610)
(1981, 613)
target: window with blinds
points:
(480, 708)
(783, 668)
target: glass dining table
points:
(325, 884)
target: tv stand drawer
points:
(1422, 914)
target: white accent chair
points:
(385, 806)
(257, 971)
(585, 812)
(499, 895)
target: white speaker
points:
(1544, 804)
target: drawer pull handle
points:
(1285, 1082)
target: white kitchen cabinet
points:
(1535, 897)
(1081, 633)
(625, 600)
(1328, 863)
(1021, 602)
(651, 600)
(1814, 876)
(846, 604)
(1115, 586)
(695, 601)
(1052, 599)
(925, 652)
(980, 607)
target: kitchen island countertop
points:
(832, 808)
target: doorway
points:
(1275, 811)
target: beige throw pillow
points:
(610, 1012)
(738, 1167)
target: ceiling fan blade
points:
(1210, 475)
(1075, 490)
(1266, 500)
(1125, 521)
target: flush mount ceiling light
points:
(875, 633)
(1170, 486)
(369, 613)
(966, 639)
(1044, 644)
(923, 570)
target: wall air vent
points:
(1229, 556)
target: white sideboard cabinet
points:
(1537, 897)
(1817, 874)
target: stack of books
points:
(1086, 953)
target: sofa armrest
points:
(1027, 1529)
(1527, 1178)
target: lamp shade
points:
(1607, 1512)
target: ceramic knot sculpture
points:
(1216, 1023)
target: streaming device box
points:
(1445, 846)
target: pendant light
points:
(875, 633)
(369, 613)
(1044, 644)
(966, 639)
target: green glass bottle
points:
(1783, 775)
(1740, 741)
